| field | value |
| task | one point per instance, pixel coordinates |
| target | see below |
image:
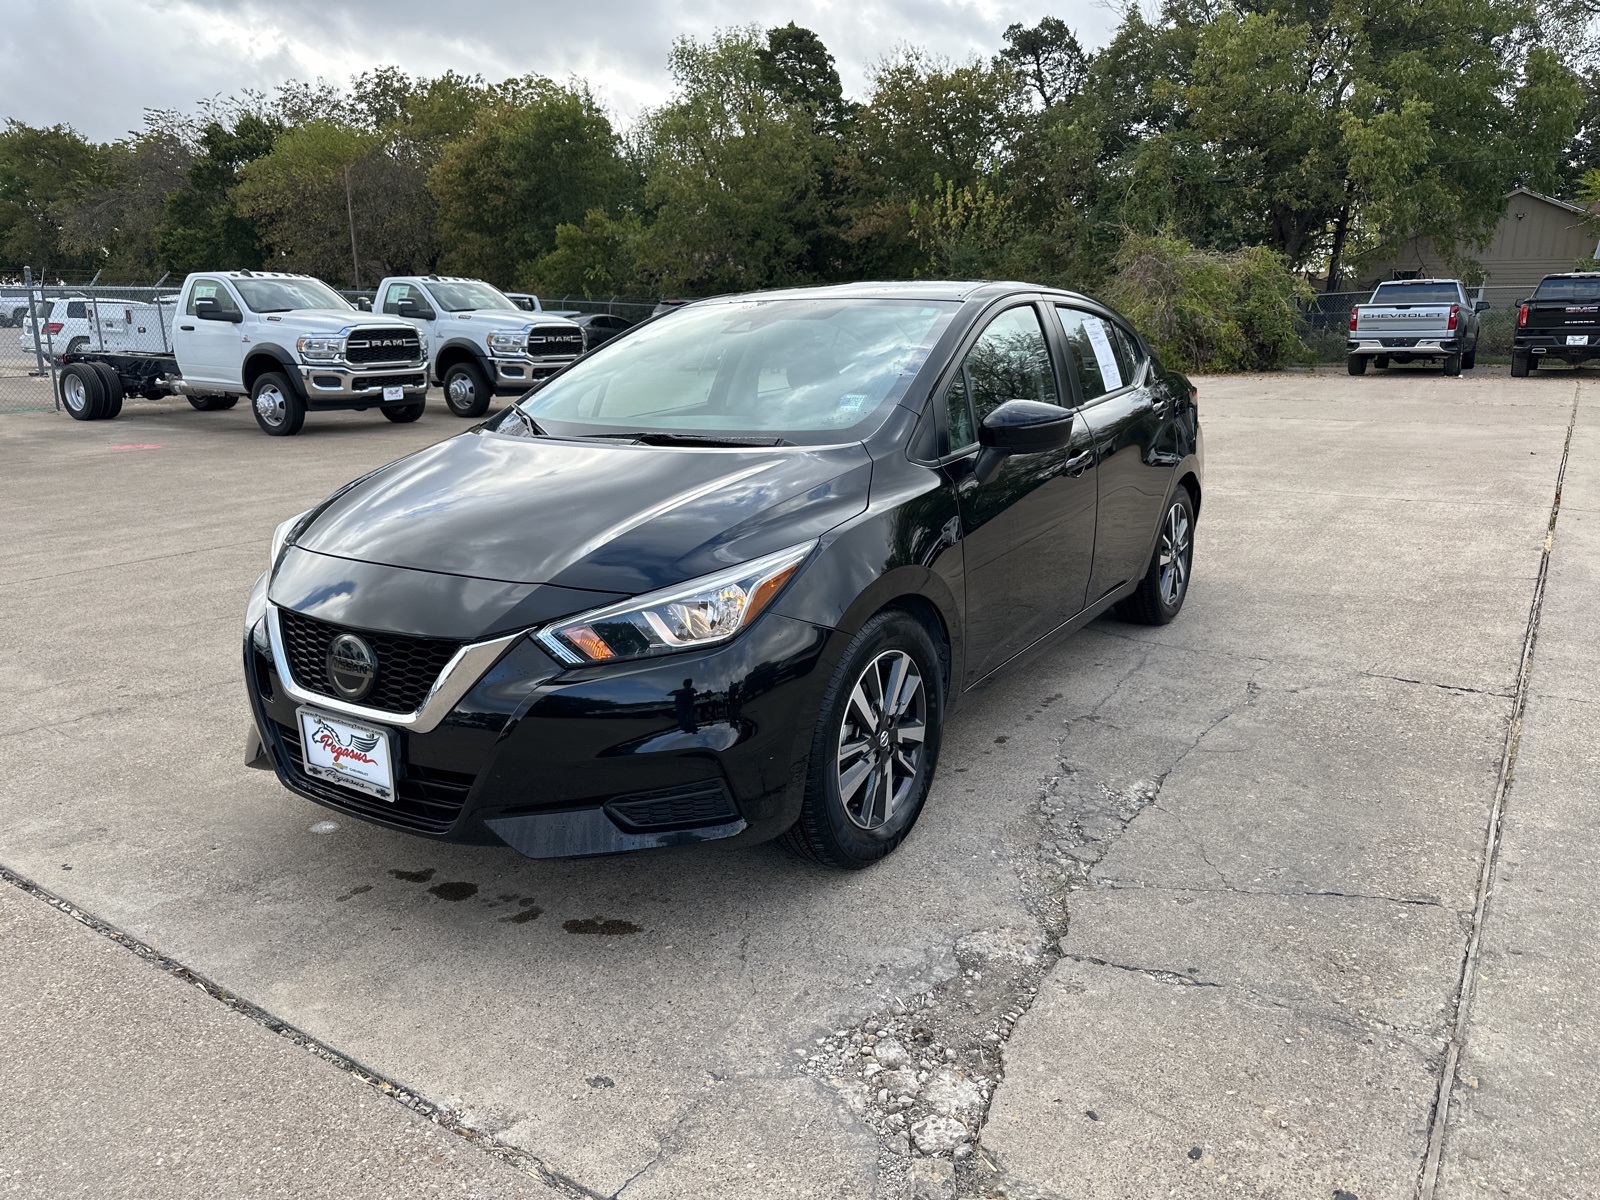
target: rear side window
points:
(1569, 289)
(1095, 357)
(211, 289)
(1129, 353)
(77, 308)
(1416, 293)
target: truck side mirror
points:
(206, 308)
(414, 309)
(1481, 306)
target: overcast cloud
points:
(98, 64)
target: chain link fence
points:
(1327, 322)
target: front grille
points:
(426, 799)
(382, 345)
(408, 667)
(363, 383)
(676, 808)
(553, 341)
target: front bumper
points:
(344, 385)
(514, 374)
(573, 762)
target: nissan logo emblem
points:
(352, 666)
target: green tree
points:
(44, 174)
(202, 228)
(1049, 59)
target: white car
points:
(79, 324)
(481, 343)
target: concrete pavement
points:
(1187, 908)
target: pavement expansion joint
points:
(1438, 1120)
(438, 1114)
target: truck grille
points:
(382, 346)
(408, 667)
(554, 341)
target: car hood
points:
(595, 516)
(498, 319)
(328, 320)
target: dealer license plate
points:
(343, 752)
(1577, 339)
(394, 393)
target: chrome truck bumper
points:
(343, 384)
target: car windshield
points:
(800, 370)
(468, 295)
(1583, 288)
(285, 295)
(1416, 293)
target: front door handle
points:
(1078, 464)
(187, 328)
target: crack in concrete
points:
(1443, 687)
(410, 1098)
(1160, 974)
(1114, 884)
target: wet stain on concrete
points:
(529, 912)
(601, 1081)
(355, 891)
(453, 891)
(596, 925)
(421, 876)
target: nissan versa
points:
(724, 576)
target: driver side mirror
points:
(1020, 427)
(1480, 306)
(414, 309)
(206, 308)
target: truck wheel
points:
(404, 414)
(279, 410)
(83, 395)
(77, 345)
(1381, 361)
(113, 385)
(1519, 364)
(1469, 360)
(1452, 364)
(466, 391)
(1356, 364)
(212, 403)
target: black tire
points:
(77, 345)
(1452, 364)
(1356, 364)
(83, 394)
(212, 403)
(1150, 604)
(404, 414)
(113, 386)
(1469, 360)
(277, 405)
(466, 390)
(1519, 364)
(837, 829)
(1381, 361)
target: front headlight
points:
(282, 534)
(703, 612)
(508, 341)
(321, 349)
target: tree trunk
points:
(1341, 228)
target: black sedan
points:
(599, 328)
(725, 577)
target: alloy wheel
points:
(73, 394)
(271, 405)
(881, 739)
(1176, 554)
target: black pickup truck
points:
(1561, 320)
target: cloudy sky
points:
(97, 64)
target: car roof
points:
(917, 289)
(1573, 275)
(1387, 282)
(258, 275)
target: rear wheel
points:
(1161, 593)
(1452, 364)
(83, 394)
(1356, 364)
(404, 414)
(212, 403)
(113, 385)
(278, 408)
(875, 746)
(466, 390)
(1519, 364)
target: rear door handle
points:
(1078, 463)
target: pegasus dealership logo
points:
(356, 748)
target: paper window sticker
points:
(1103, 353)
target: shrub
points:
(1203, 310)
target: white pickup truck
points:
(289, 342)
(480, 343)
(1408, 319)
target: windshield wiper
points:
(661, 437)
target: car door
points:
(209, 352)
(390, 302)
(1131, 420)
(1028, 533)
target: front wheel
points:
(875, 746)
(466, 390)
(1161, 593)
(1469, 360)
(278, 408)
(404, 414)
(1381, 361)
(1356, 364)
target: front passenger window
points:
(392, 297)
(1009, 362)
